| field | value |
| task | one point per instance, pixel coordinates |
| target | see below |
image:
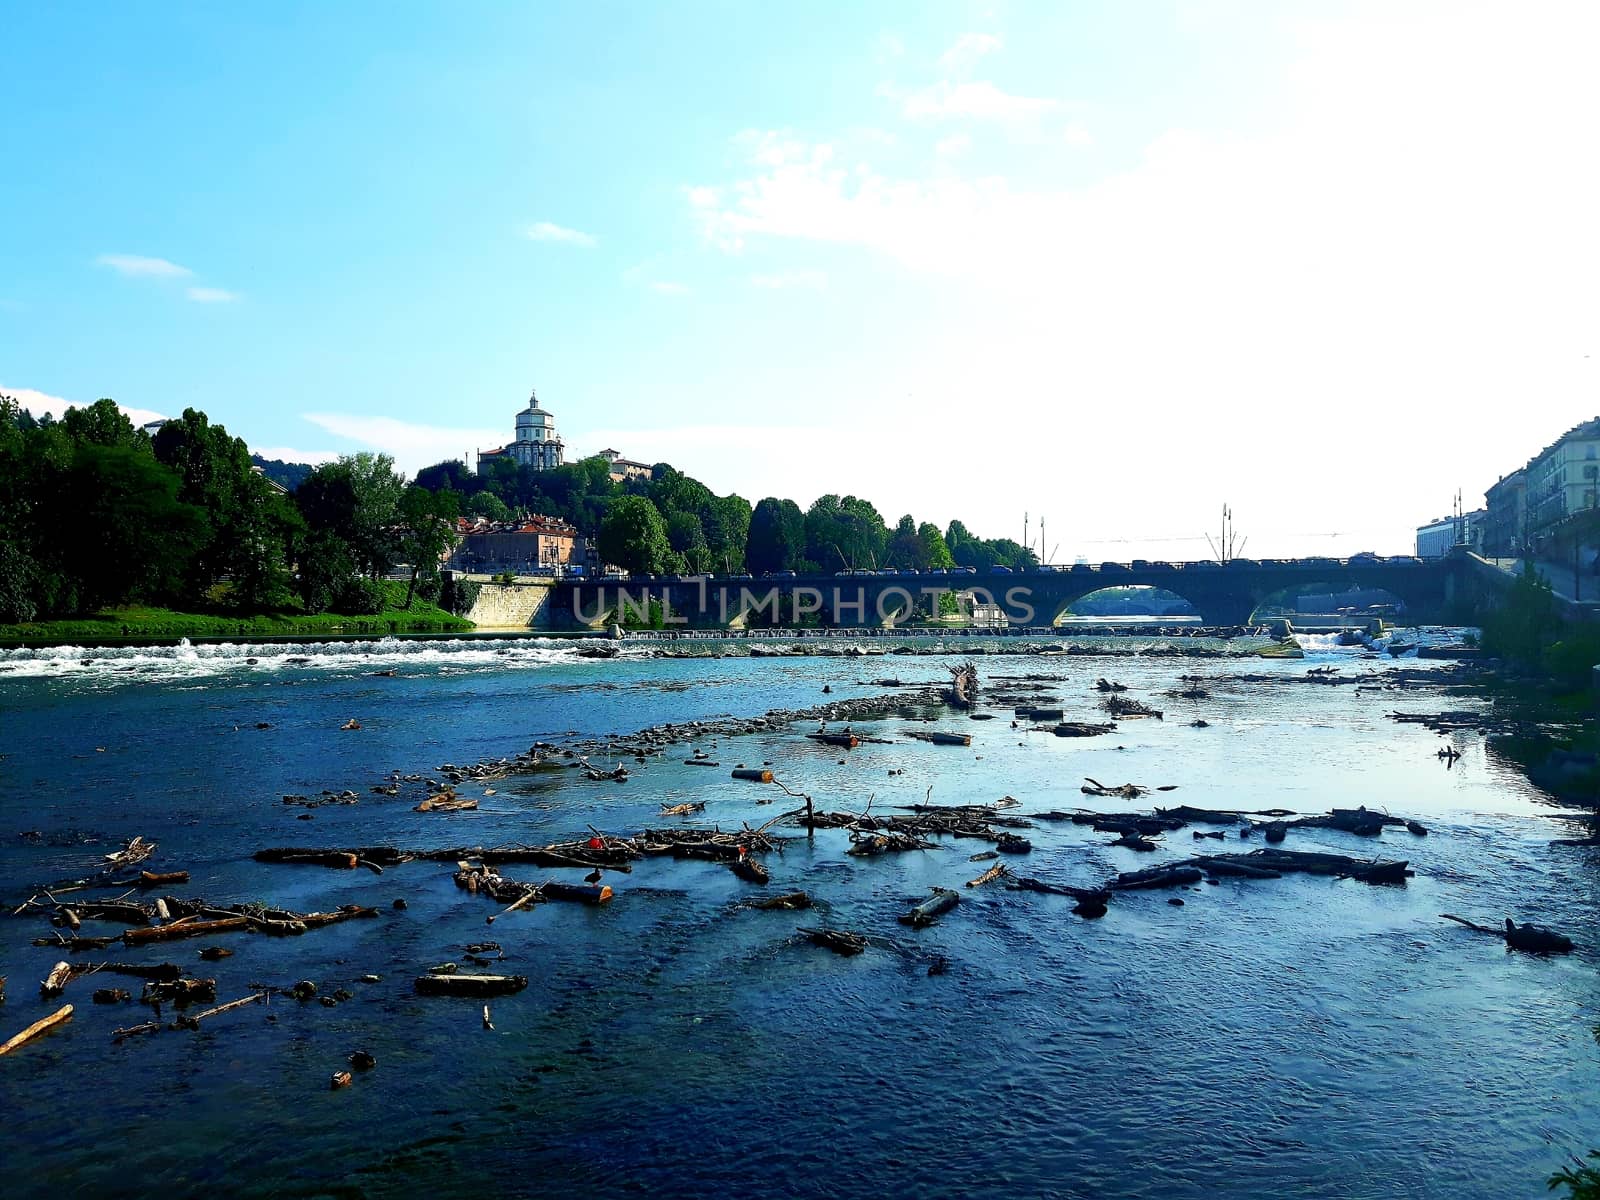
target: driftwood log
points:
(931, 909)
(1123, 708)
(56, 982)
(998, 871)
(939, 737)
(963, 690)
(469, 985)
(1091, 902)
(1169, 875)
(1535, 939)
(685, 808)
(837, 940)
(183, 928)
(193, 1021)
(750, 870)
(41, 1026)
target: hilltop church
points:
(539, 446)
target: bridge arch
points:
(1117, 602)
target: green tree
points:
(323, 558)
(727, 528)
(489, 506)
(934, 554)
(844, 532)
(428, 532)
(123, 532)
(215, 476)
(687, 538)
(633, 536)
(905, 548)
(356, 499)
(264, 527)
(323, 568)
(777, 537)
(453, 474)
(378, 488)
(102, 424)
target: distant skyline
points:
(1111, 264)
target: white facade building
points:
(1438, 538)
(537, 443)
(1564, 478)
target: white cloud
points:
(545, 231)
(211, 295)
(889, 46)
(138, 266)
(968, 48)
(668, 288)
(39, 403)
(815, 280)
(978, 99)
(1076, 135)
(412, 445)
(952, 146)
(1403, 239)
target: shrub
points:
(358, 597)
(1524, 624)
(1570, 661)
(459, 595)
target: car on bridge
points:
(999, 570)
(782, 575)
(1319, 562)
(1082, 568)
(1365, 558)
(1113, 568)
(1243, 562)
(1403, 560)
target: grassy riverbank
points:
(116, 624)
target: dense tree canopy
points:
(633, 536)
(96, 512)
(777, 539)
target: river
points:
(1301, 1036)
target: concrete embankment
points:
(511, 606)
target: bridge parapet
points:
(1223, 595)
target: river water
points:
(1302, 1036)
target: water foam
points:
(186, 660)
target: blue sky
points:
(1111, 263)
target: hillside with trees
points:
(99, 514)
(674, 524)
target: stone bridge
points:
(1221, 594)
